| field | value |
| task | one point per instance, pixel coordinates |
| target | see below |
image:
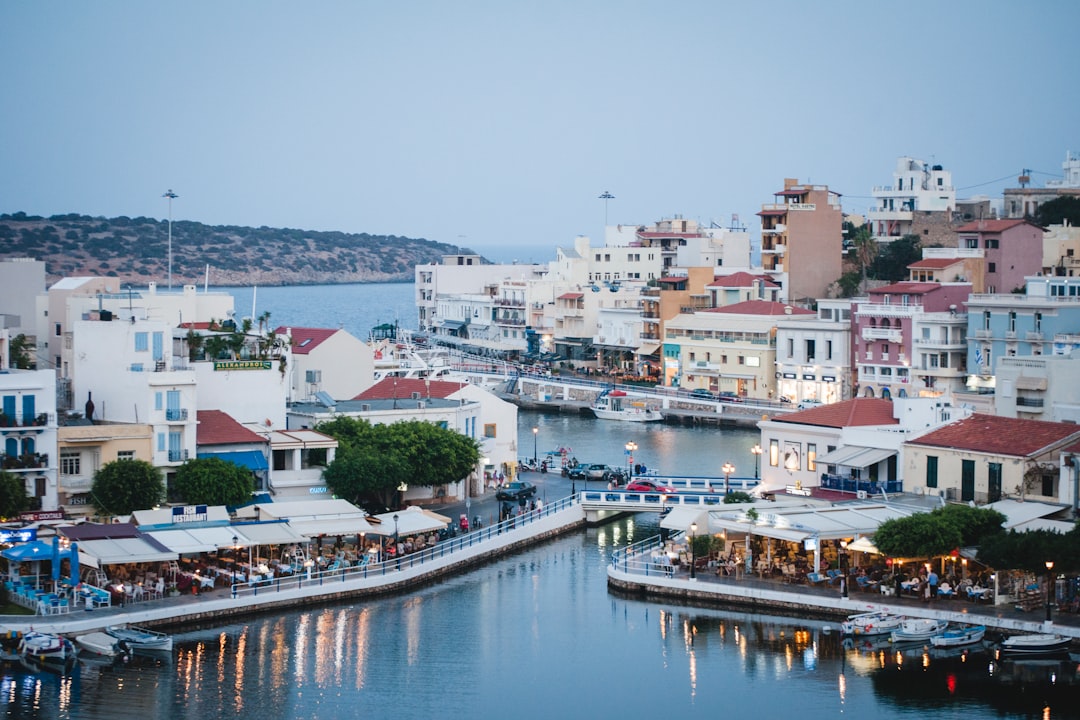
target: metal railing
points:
(442, 549)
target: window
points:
(774, 453)
(70, 463)
(811, 457)
(1038, 322)
(791, 347)
(1012, 320)
(157, 401)
(161, 442)
(57, 329)
(489, 430)
(991, 267)
(142, 342)
(931, 471)
(986, 320)
(811, 350)
(828, 350)
(125, 455)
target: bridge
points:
(697, 492)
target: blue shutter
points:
(158, 346)
(161, 442)
(157, 401)
(9, 407)
(28, 412)
(140, 342)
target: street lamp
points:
(397, 551)
(727, 469)
(843, 569)
(605, 197)
(757, 459)
(1049, 567)
(630, 448)
(536, 430)
(693, 551)
(170, 194)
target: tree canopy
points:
(1056, 211)
(124, 486)
(372, 461)
(892, 259)
(213, 481)
(1030, 550)
(917, 536)
(13, 497)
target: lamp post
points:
(605, 197)
(727, 469)
(843, 569)
(1049, 577)
(236, 553)
(630, 448)
(170, 194)
(693, 551)
(536, 431)
(397, 551)
(757, 460)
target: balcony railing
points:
(178, 455)
(890, 334)
(176, 415)
(9, 421)
(1030, 402)
(846, 483)
(30, 461)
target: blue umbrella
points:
(75, 564)
(56, 558)
(25, 552)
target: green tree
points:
(974, 523)
(866, 249)
(1030, 550)
(849, 284)
(22, 352)
(917, 536)
(893, 258)
(13, 497)
(213, 481)
(1058, 210)
(124, 486)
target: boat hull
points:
(1033, 645)
(871, 624)
(911, 630)
(959, 638)
(141, 640)
(628, 415)
(98, 643)
(44, 650)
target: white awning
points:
(730, 525)
(121, 550)
(183, 542)
(682, 516)
(413, 519)
(335, 525)
(855, 456)
(647, 349)
(1030, 383)
(267, 533)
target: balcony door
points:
(967, 480)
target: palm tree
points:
(866, 249)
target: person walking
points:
(932, 585)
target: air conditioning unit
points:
(416, 395)
(861, 494)
(950, 493)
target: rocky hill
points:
(136, 249)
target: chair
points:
(815, 578)
(865, 583)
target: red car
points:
(649, 486)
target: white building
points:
(813, 357)
(28, 432)
(917, 187)
(327, 360)
(456, 275)
(22, 280)
(1038, 387)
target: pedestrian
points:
(932, 584)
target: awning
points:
(788, 534)
(251, 459)
(647, 349)
(335, 525)
(413, 519)
(452, 324)
(1030, 383)
(855, 456)
(188, 541)
(863, 545)
(681, 517)
(267, 533)
(119, 551)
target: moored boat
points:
(45, 650)
(139, 639)
(959, 636)
(1033, 645)
(615, 405)
(918, 629)
(871, 623)
(99, 643)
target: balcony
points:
(34, 461)
(1034, 337)
(178, 455)
(890, 334)
(1030, 402)
(984, 334)
(176, 415)
(18, 421)
(509, 302)
(939, 344)
(846, 483)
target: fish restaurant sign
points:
(189, 513)
(243, 365)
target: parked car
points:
(615, 476)
(577, 472)
(649, 486)
(516, 491)
(807, 404)
(702, 394)
(595, 471)
(728, 396)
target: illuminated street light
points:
(757, 459)
(630, 448)
(693, 551)
(727, 469)
(536, 430)
(1049, 579)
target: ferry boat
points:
(616, 405)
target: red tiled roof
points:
(934, 263)
(773, 212)
(760, 307)
(219, 428)
(740, 279)
(306, 339)
(791, 191)
(671, 279)
(850, 413)
(905, 287)
(1016, 437)
(994, 226)
(402, 388)
(195, 325)
(571, 296)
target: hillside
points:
(137, 249)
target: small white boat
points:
(1021, 645)
(138, 639)
(54, 652)
(956, 637)
(871, 623)
(99, 643)
(615, 405)
(918, 629)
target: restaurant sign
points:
(18, 535)
(243, 365)
(39, 515)
(189, 513)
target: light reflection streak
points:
(300, 646)
(413, 632)
(362, 633)
(65, 693)
(238, 682)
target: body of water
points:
(538, 634)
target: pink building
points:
(1013, 250)
(910, 339)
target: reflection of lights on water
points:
(789, 659)
(950, 683)
(843, 688)
(926, 660)
(809, 657)
(1046, 713)
(65, 693)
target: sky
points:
(500, 124)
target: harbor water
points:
(539, 635)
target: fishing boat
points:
(45, 650)
(1033, 645)
(959, 636)
(871, 623)
(616, 405)
(139, 639)
(918, 629)
(99, 644)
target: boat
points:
(45, 650)
(918, 629)
(956, 637)
(99, 644)
(615, 405)
(139, 639)
(1033, 645)
(871, 623)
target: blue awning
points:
(251, 459)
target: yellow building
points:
(84, 447)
